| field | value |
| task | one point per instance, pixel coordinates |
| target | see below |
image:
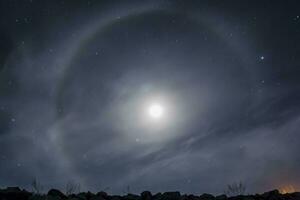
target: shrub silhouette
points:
(235, 189)
(72, 188)
(37, 187)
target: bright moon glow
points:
(156, 111)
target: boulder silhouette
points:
(131, 197)
(157, 196)
(146, 195)
(206, 197)
(56, 193)
(15, 193)
(193, 197)
(102, 194)
(171, 196)
(221, 197)
(12, 193)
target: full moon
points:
(155, 111)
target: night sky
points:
(150, 95)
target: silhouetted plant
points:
(37, 187)
(106, 189)
(235, 189)
(72, 188)
(127, 190)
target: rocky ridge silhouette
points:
(15, 193)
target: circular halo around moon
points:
(120, 119)
(136, 85)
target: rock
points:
(249, 197)
(102, 194)
(56, 193)
(74, 198)
(37, 197)
(114, 197)
(239, 197)
(131, 197)
(53, 198)
(184, 197)
(96, 197)
(221, 197)
(157, 196)
(86, 195)
(13, 189)
(257, 197)
(273, 193)
(81, 196)
(146, 195)
(15, 193)
(295, 195)
(193, 197)
(171, 196)
(207, 197)
(242, 197)
(89, 195)
(12, 193)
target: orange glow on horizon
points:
(287, 189)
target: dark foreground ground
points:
(14, 193)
